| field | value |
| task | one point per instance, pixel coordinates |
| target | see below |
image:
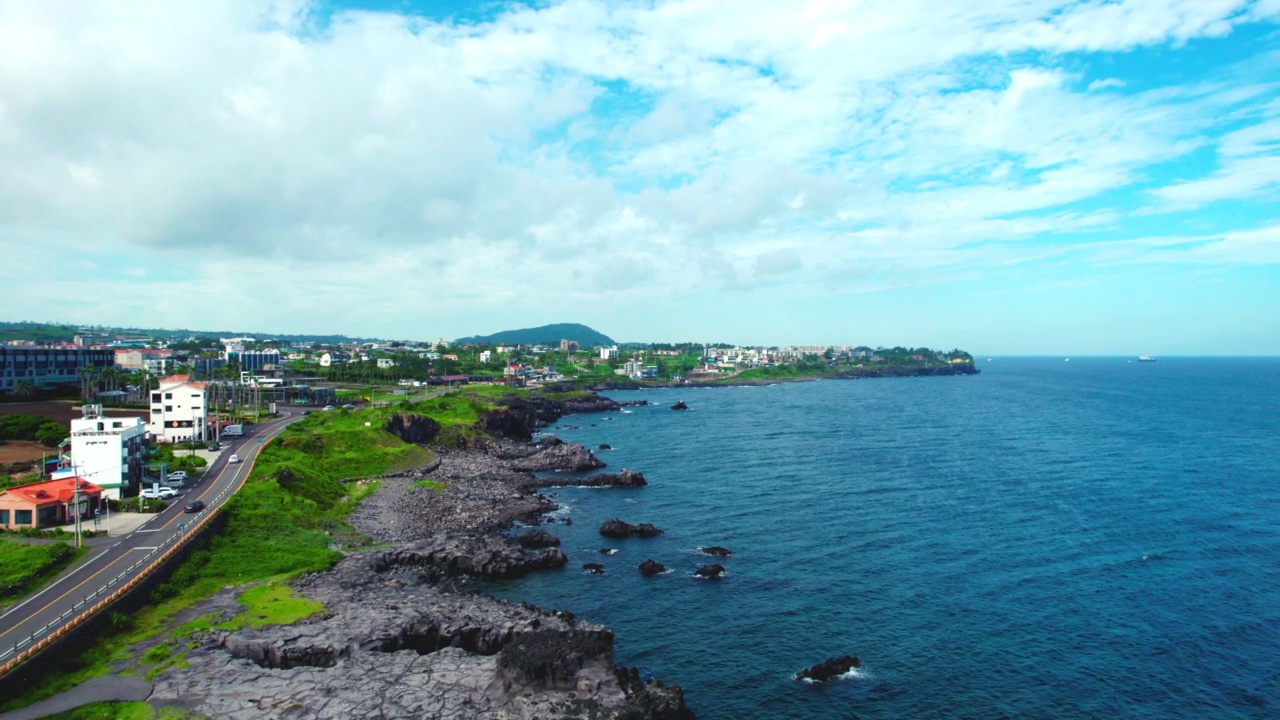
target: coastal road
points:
(57, 604)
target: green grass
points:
(272, 604)
(122, 711)
(430, 484)
(24, 567)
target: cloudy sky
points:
(1006, 176)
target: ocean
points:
(1097, 538)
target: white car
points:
(164, 493)
(233, 459)
(178, 475)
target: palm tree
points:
(25, 389)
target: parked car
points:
(178, 475)
(214, 445)
(164, 493)
(172, 483)
(233, 459)
(327, 407)
(348, 406)
(194, 506)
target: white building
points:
(386, 363)
(178, 410)
(486, 356)
(109, 451)
(607, 353)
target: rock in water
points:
(829, 668)
(679, 405)
(606, 446)
(711, 572)
(538, 539)
(615, 528)
(651, 567)
(716, 550)
(593, 568)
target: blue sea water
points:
(1092, 539)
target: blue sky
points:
(1011, 177)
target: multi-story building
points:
(257, 359)
(44, 366)
(179, 410)
(109, 451)
(568, 346)
(607, 353)
(151, 360)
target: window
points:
(155, 397)
(168, 408)
(4, 517)
(22, 517)
(168, 396)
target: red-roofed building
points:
(46, 504)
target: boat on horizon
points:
(1146, 358)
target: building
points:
(178, 410)
(568, 346)
(486, 356)
(607, 353)
(329, 359)
(48, 503)
(384, 363)
(39, 367)
(110, 450)
(254, 360)
(153, 361)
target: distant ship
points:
(1146, 358)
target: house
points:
(48, 503)
(111, 450)
(486, 356)
(384, 363)
(178, 410)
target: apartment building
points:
(109, 451)
(179, 411)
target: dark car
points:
(194, 506)
(214, 445)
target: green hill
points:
(545, 335)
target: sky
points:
(1006, 176)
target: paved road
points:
(52, 605)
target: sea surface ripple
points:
(1093, 539)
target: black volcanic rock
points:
(679, 405)
(558, 457)
(411, 428)
(716, 550)
(593, 568)
(538, 539)
(711, 572)
(616, 528)
(829, 668)
(605, 446)
(622, 479)
(651, 567)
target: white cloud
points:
(591, 152)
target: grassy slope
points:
(24, 566)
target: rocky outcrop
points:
(605, 446)
(593, 568)
(416, 429)
(653, 699)
(615, 528)
(710, 572)
(490, 558)
(651, 567)
(537, 539)
(716, 550)
(679, 405)
(622, 479)
(564, 456)
(829, 669)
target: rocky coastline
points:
(853, 373)
(402, 635)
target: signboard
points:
(178, 423)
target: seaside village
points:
(136, 394)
